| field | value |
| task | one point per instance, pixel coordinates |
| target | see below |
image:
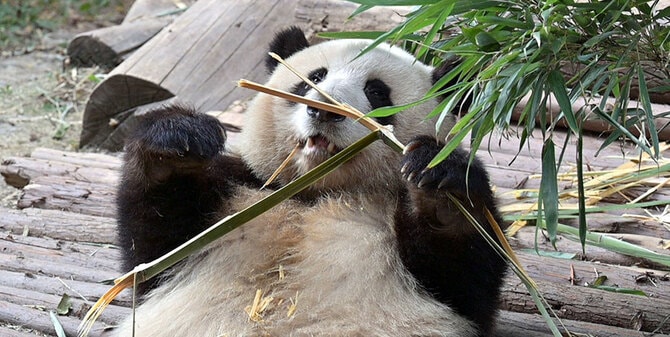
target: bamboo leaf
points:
(620, 290)
(549, 191)
(351, 35)
(64, 305)
(60, 332)
(436, 26)
(581, 197)
(620, 128)
(646, 104)
(451, 145)
(612, 244)
(359, 10)
(557, 86)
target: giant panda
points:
(373, 249)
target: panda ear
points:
(286, 43)
(447, 66)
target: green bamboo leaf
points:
(549, 191)
(415, 21)
(486, 42)
(451, 145)
(64, 305)
(557, 86)
(620, 290)
(570, 213)
(436, 27)
(60, 332)
(394, 109)
(615, 245)
(646, 104)
(581, 200)
(620, 128)
(499, 64)
(598, 38)
(600, 280)
(370, 35)
(505, 22)
(359, 10)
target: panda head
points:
(384, 76)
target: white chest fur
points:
(326, 269)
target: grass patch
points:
(23, 22)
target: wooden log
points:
(588, 304)
(525, 239)
(560, 271)
(39, 320)
(62, 193)
(109, 46)
(59, 225)
(514, 324)
(203, 53)
(55, 286)
(26, 264)
(18, 171)
(96, 258)
(15, 331)
(27, 298)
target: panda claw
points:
(442, 183)
(404, 168)
(413, 145)
(411, 176)
(424, 181)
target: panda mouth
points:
(319, 144)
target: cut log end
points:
(88, 51)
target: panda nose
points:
(324, 116)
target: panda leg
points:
(438, 245)
(174, 181)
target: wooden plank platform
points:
(60, 241)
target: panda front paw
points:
(451, 175)
(176, 138)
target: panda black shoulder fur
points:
(374, 249)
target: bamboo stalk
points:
(146, 271)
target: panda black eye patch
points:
(315, 76)
(379, 95)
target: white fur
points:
(339, 259)
(340, 270)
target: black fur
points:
(445, 253)
(286, 43)
(175, 178)
(379, 95)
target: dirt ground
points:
(41, 98)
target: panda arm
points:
(438, 245)
(175, 181)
